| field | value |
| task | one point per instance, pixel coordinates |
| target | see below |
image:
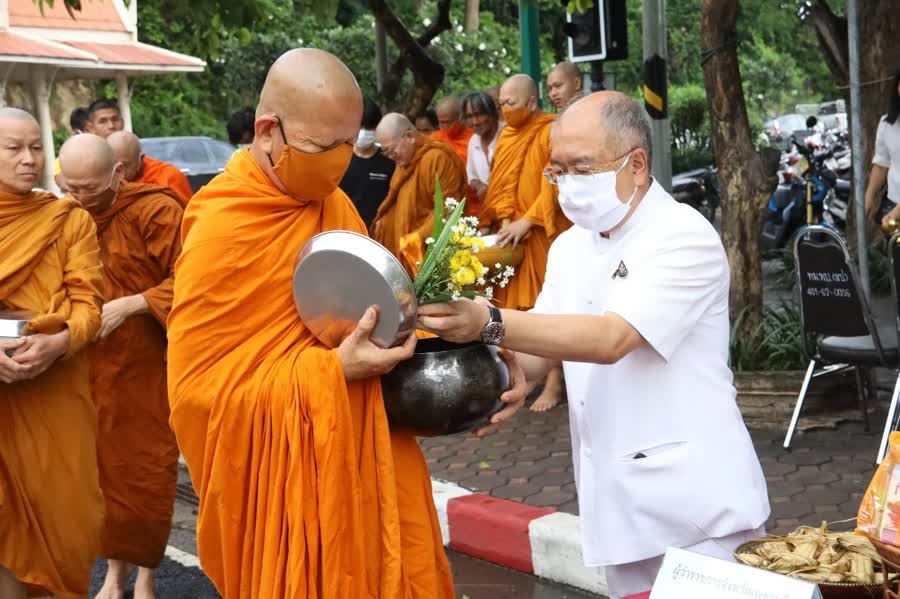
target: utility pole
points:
(656, 84)
(380, 55)
(856, 150)
(531, 45)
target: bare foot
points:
(114, 584)
(551, 394)
(143, 586)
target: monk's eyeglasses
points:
(321, 151)
(552, 174)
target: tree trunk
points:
(472, 9)
(428, 74)
(747, 178)
(879, 58)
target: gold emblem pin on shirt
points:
(621, 272)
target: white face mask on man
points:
(365, 139)
(591, 201)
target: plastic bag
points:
(879, 512)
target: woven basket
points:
(831, 590)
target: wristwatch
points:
(493, 331)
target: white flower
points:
(490, 65)
(502, 284)
(427, 22)
(436, 40)
(455, 296)
(489, 293)
(509, 272)
(481, 282)
(502, 51)
(458, 47)
(475, 249)
(481, 46)
(498, 266)
(484, 270)
(429, 241)
(506, 70)
(459, 29)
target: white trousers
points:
(625, 580)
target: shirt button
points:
(590, 301)
(587, 453)
(581, 402)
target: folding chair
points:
(890, 423)
(835, 310)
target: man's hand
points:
(362, 359)
(478, 187)
(377, 226)
(39, 352)
(461, 321)
(116, 311)
(514, 397)
(514, 232)
(10, 370)
(894, 214)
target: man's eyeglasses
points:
(552, 173)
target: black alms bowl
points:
(445, 388)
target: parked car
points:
(200, 158)
(780, 129)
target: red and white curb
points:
(534, 540)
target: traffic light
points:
(599, 33)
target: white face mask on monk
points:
(592, 202)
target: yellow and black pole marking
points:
(656, 95)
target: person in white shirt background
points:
(886, 161)
(479, 113)
(635, 306)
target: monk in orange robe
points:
(140, 168)
(456, 135)
(139, 230)
(51, 507)
(408, 210)
(304, 491)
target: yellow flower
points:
(455, 263)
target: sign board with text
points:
(686, 575)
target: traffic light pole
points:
(531, 45)
(656, 58)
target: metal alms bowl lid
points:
(14, 323)
(341, 273)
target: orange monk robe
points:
(157, 172)
(515, 187)
(409, 205)
(136, 450)
(457, 137)
(304, 492)
(51, 507)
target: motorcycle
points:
(808, 193)
(699, 189)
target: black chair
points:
(835, 310)
(890, 423)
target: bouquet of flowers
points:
(451, 268)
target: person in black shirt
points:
(369, 175)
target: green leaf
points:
(438, 225)
(438, 248)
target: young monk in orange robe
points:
(51, 507)
(453, 132)
(157, 172)
(139, 230)
(304, 492)
(523, 151)
(409, 205)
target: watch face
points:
(492, 333)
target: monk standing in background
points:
(139, 230)
(452, 132)
(51, 507)
(404, 219)
(140, 168)
(304, 492)
(564, 84)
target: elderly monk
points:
(452, 132)
(138, 227)
(565, 82)
(304, 492)
(140, 168)
(51, 507)
(405, 217)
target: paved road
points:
(179, 578)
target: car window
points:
(158, 150)
(221, 152)
(192, 151)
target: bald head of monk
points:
(92, 173)
(21, 151)
(564, 83)
(398, 137)
(518, 100)
(605, 132)
(126, 148)
(307, 122)
(449, 112)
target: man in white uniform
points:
(635, 306)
